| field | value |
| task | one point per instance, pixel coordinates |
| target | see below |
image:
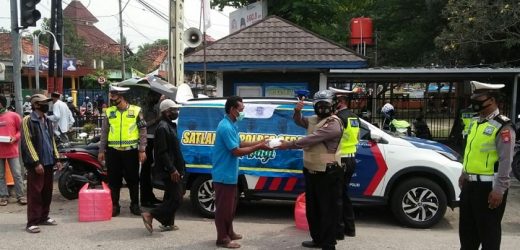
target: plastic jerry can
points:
(95, 204)
(300, 217)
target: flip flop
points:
(147, 223)
(33, 229)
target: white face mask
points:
(241, 116)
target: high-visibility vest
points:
(316, 157)
(466, 117)
(349, 138)
(123, 130)
(480, 155)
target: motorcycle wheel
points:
(67, 186)
(516, 166)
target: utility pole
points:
(121, 42)
(15, 53)
(175, 48)
(51, 80)
(59, 54)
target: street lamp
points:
(36, 50)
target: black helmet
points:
(323, 96)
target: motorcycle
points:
(80, 166)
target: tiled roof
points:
(96, 40)
(274, 40)
(76, 11)
(26, 46)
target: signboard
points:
(247, 16)
(69, 64)
(101, 80)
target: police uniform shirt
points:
(505, 143)
(330, 134)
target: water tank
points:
(361, 31)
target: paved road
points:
(265, 225)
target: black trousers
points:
(322, 208)
(123, 164)
(478, 224)
(165, 212)
(145, 178)
(346, 223)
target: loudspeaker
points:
(192, 37)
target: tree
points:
(147, 54)
(481, 32)
(73, 45)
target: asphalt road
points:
(265, 225)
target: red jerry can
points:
(95, 204)
(300, 217)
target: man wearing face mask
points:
(169, 168)
(485, 180)
(322, 169)
(123, 141)
(224, 172)
(40, 155)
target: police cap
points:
(118, 90)
(480, 88)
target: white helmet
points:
(387, 108)
(70, 99)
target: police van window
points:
(364, 132)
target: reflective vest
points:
(123, 130)
(480, 155)
(316, 157)
(466, 117)
(349, 138)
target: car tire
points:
(516, 166)
(418, 203)
(202, 196)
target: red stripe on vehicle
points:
(291, 182)
(381, 169)
(275, 183)
(260, 184)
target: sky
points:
(139, 24)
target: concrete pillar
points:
(323, 82)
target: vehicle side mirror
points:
(376, 137)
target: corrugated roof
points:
(274, 40)
(76, 11)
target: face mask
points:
(115, 102)
(323, 111)
(173, 115)
(241, 116)
(477, 105)
(44, 108)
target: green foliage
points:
(89, 128)
(143, 59)
(90, 81)
(73, 45)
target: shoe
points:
(3, 202)
(230, 244)
(49, 222)
(351, 234)
(236, 237)
(22, 201)
(116, 210)
(32, 229)
(148, 204)
(147, 221)
(310, 244)
(156, 201)
(135, 209)
(165, 228)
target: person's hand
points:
(175, 176)
(299, 105)
(142, 156)
(462, 179)
(59, 166)
(12, 140)
(101, 156)
(285, 145)
(494, 199)
(39, 169)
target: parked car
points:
(416, 178)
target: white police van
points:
(417, 178)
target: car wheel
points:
(418, 203)
(516, 166)
(202, 196)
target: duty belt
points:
(480, 178)
(124, 148)
(348, 155)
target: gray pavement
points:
(265, 225)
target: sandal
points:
(3, 202)
(49, 222)
(230, 244)
(32, 229)
(165, 228)
(22, 201)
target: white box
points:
(4, 138)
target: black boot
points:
(116, 210)
(135, 209)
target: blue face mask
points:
(241, 116)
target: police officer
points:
(123, 142)
(322, 170)
(466, 116)
(485, 180)
(347, 148)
